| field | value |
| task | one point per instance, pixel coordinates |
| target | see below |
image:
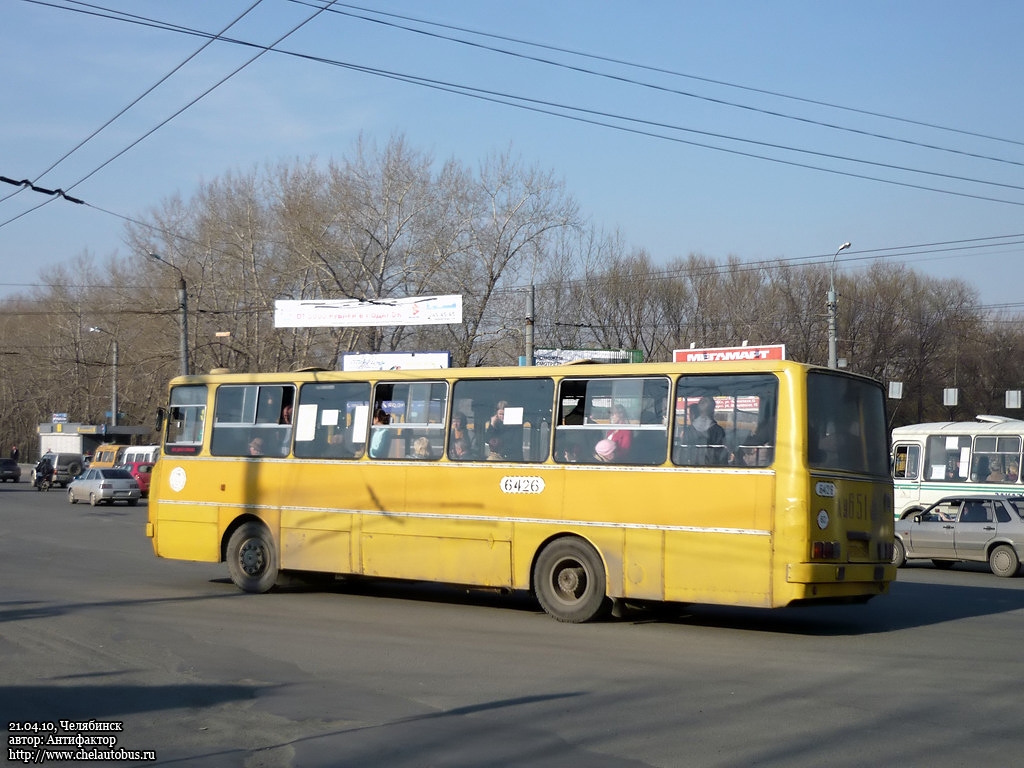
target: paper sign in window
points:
(513, 416)
(305, 424)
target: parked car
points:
(10, 470)
(141, 471)
(105, 484)
(970, 528)
(66, 467)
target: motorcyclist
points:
(42, 475)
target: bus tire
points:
(899, 554)
(569, 581)
(252, 558)
(1003, 561)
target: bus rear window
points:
(846, 426)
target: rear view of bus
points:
(849, 494)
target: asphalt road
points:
(94, 627)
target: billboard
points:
(349, 313)
(721, 354)
(394, 361)
(563, 356)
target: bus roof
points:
(578, 369)
(983, 425)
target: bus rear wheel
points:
(252, 558)
(569, 581)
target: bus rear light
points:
(825, 550)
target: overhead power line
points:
(551, 108)
(653, 86)
(662, 70)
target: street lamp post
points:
(833, 304)
(113, 383)
(183, 306)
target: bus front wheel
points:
(252, 558)
(569, 581)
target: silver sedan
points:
(104, 485)
(977, 528)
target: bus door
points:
(906, 475)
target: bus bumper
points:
(830, 573)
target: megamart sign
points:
(724, 354)
(337, 313)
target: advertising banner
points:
(348, 313)
(722, 354)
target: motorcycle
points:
(42, 479)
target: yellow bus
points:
(748, 484)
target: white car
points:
(105, 484)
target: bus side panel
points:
(182, 528)
(188, 539)
(727, 549)
(316, 541)
(723, 568)
(644, 565)
(432, 556)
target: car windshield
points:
(116, 474)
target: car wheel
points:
(1003, 561)
(93, 500)
(943, 565)
(252, 558)
(569, 581)
(899, 554)
(71, 497)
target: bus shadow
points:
(907, 606)
(417, 591)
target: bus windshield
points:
(846, 425)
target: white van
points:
(140, 454)
(930, 461)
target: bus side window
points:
(503, 420)
(906, 460)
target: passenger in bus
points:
(1011, 473)
(704, 436)
(982, 470)
(497, 435)
(605, 451)
(380, 435)
(571, 452)
(620, 438)
(756, 450)
(953, 469)
(460, 450)
(495, 449)
(421, 449)
(286, 414)
(256, 446)
(460, 433)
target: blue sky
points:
(948, 65)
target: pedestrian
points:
(14, 452)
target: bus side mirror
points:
(159, 428)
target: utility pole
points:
(529, 326)
(833, 303)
